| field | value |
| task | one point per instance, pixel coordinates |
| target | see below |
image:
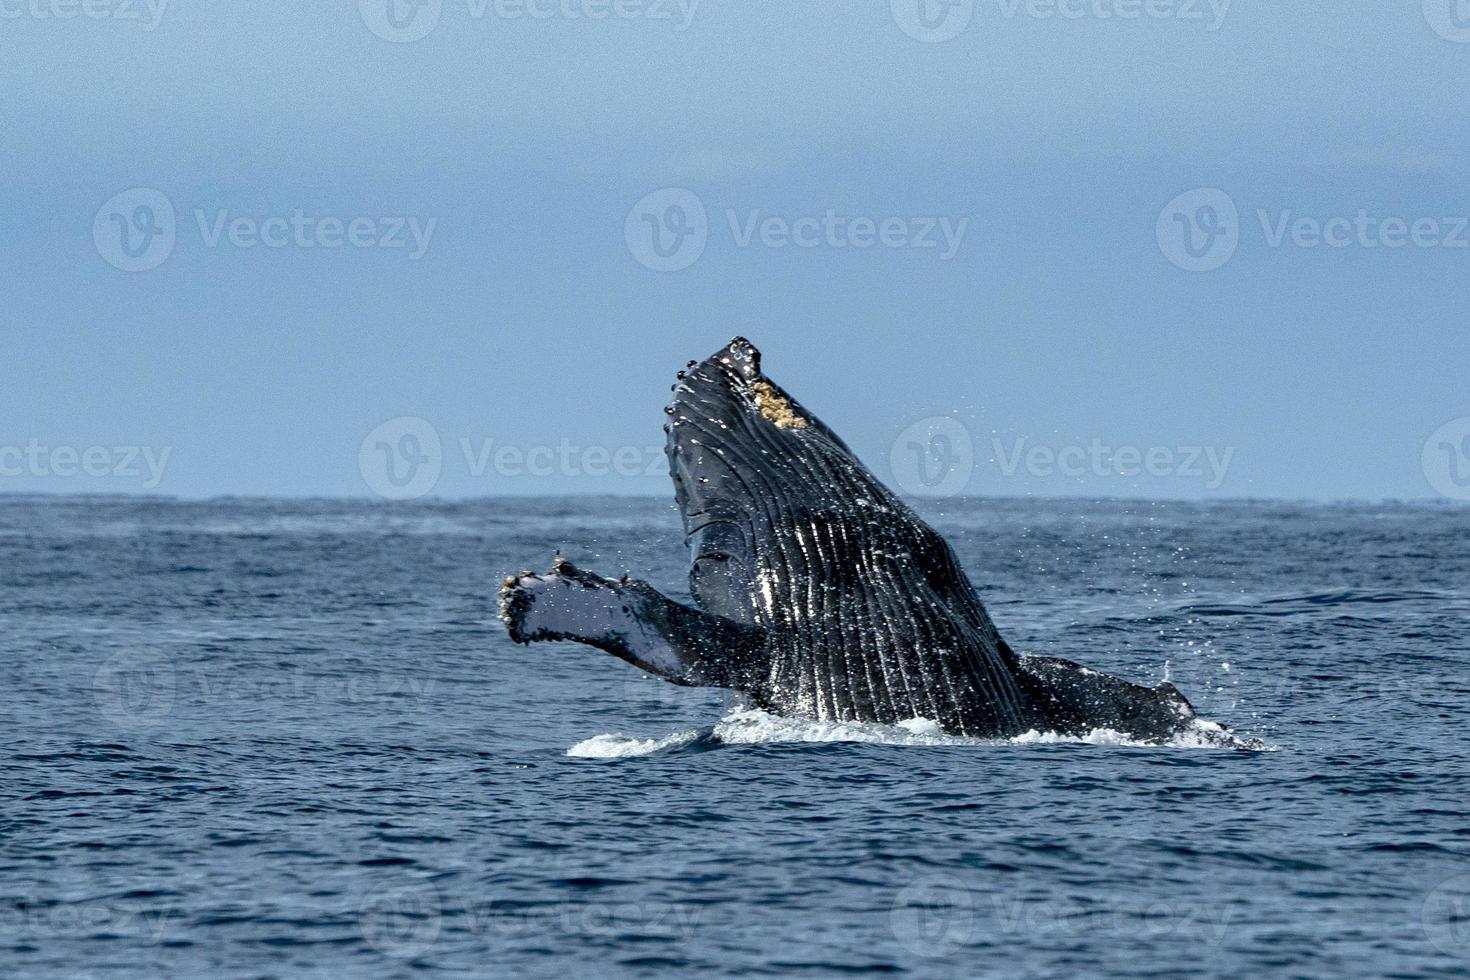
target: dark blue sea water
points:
(253, 738)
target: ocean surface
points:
(262, 738)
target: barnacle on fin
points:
(776, 409)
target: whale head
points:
(738, 443)
(747, 461)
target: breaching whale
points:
(817, 592)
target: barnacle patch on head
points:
(776, 409)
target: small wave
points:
(1298, 604)
(623, 746)
(751, 726)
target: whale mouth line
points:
(696, 526)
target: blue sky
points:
(1061, 147)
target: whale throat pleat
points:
(859, 629)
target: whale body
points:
(817, 592)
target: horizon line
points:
(435, 499)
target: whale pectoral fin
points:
(1076, 699)
(635, 622)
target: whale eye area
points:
(775, 409)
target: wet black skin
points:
(819, 593)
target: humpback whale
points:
(817, 592)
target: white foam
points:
(623, 746)
(751, 726)
(1199, 735)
